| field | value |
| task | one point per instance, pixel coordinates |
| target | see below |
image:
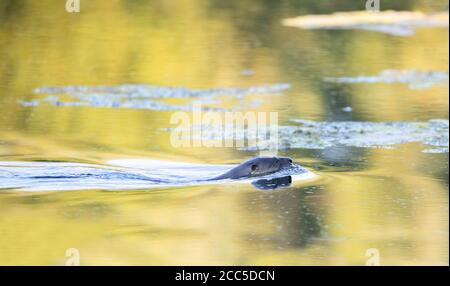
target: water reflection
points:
(273, 184)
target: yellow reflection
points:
(393, 203)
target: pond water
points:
(366, 111)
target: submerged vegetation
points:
(141, 96)
(307, 134)
(412, 78)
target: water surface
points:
(392, 199)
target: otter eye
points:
(290, 161)
(254, 167)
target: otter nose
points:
(288, 161)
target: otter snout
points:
(285, 162)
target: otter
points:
(258, 166)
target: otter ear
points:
(254, 167)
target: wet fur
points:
(258, 166)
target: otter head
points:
(259, 166)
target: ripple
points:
(121, 174)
